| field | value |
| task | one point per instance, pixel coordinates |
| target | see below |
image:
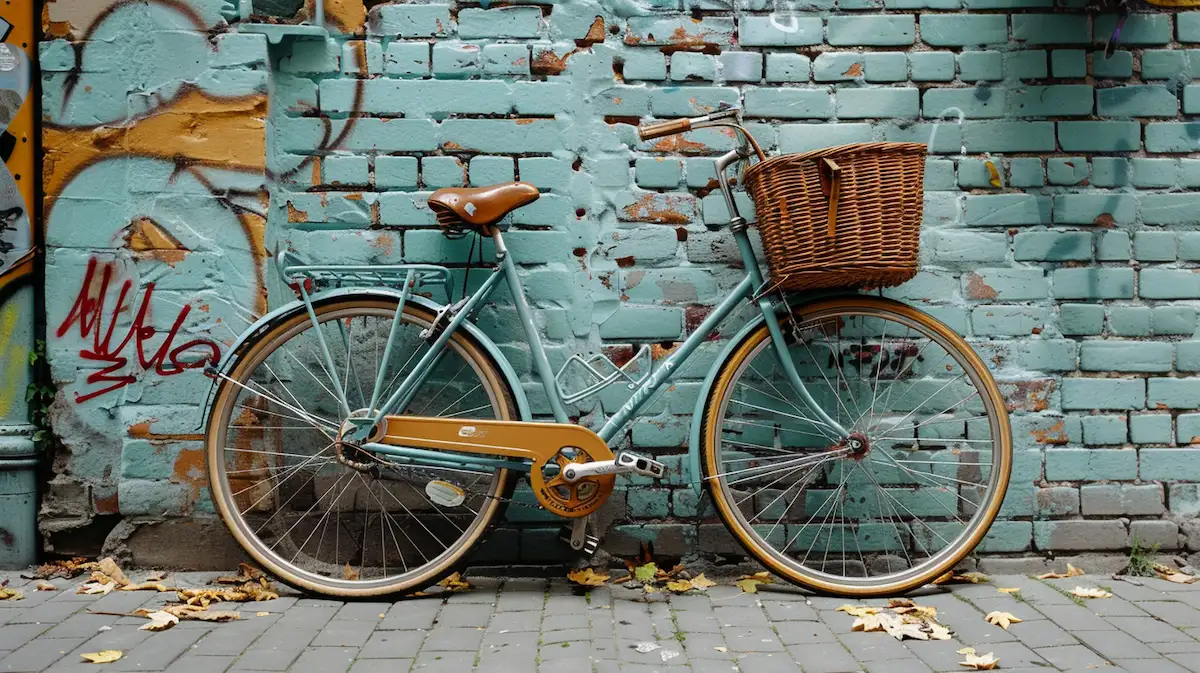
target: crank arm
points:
(625, 462)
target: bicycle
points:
(363, 437)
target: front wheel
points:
(906, 496)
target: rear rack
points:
(294, 271)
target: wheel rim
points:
(321, 520)
(909, 503)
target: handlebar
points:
(681, 125)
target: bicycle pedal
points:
(647, 467)
(576, 537)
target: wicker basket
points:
(847, 216)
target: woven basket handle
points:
(831, 185)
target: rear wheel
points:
(906, 496)
(326, 517)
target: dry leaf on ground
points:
(587, 577)
(1009, 590)
(262, 614)
(45, 586)
(66, 569)
(349, 573)
(160, 620)
(103, 657)
(1002, 619)
(246, 573)
(984, 662)
(1072, 571)
(901, 619)
(701, 582)
(1090, 592)
(1172, 575)
(216, 616)
(96, 588)
(646, 573)
(859, 610)
(259, 590)
(455, 583)
(148, 586)
(7, 594)
(720, 649)
(186, 612)
(968, 577)
(966, 650)
(112, 571)
(749, 583)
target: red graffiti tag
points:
(89, 313)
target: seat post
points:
(501, 249)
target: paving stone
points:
(801, 633)
(872, 647)
(465, 614)
(772, 663)
(342, 633)
(380, 666)
(393, 644)
(1176, 647)
(1042, 633)
(1149, 630)
(453, 640)
(157, 653)
(444, 662)
(899, 666)
(696, 621)
(192, 662)
(1175, 614)
(235, 637)
(38, 654)
(824, 658)
(1075, 618)
(751, 639)
(364, 612)
(1188, 661)
(407, 615)
(939, 655)
(13, 636)
(1150, 666)
(789, 611)
(511, 622)
(1071, 657)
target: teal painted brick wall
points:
(1074, 272)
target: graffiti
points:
(16, 229)
(89, 315)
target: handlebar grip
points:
(664, 129)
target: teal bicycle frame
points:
(749, 289)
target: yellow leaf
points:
(160, 620)
(455, 583)
(651, 589)
(1178, 578)
(868, 623)
(646, 573)
(900, 603)
(587, 577)
(95, 588)
(1002, 619)
(763, 576)
(994, 175)
(1009, 590)
(349, 573)
(103, 657)
(1090, 592)
(7, 594)
(1072, 571)
(938, 632)
(748, 585)
(246, 573)
(966, 650)
(985, 662)
(968, 577)
(262, 614)
(147, 586)
(701, 582)
(216, 616)
(859, 610)
(45, 586)
(679, 586)
(111, 570)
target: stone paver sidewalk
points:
(524, 625)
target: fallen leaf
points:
(900, 603)
(720, 649)
(1072, 571)
(96, 588)
(966, 650)
(938, 632)
(349, 573)
(65, 569)
(587, 577)
(259, 590)
(147, 586)
(160, 620)
(859, 610)
(1009, 590)
(967, 577)
(156, 576)
(112, 571)
(246, 573)
(701, 582)
(643, 648)
(7, 594)
(455, 583)
(1179, 578)
(985, 662)
(1002, 619)
(868, 622)
(748, 585)
(645, 573)
(216, 616)
(1090, 592)
(262, 614)
(103, 657)
(679, 586)
(45, 586)
(651, 589)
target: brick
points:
(1188, 428)
(1162, 535)
(1008, 136)
(396, 172)
(1182, 393)
(980, 102)
(1188, 356)
(1007, 210)
(1093, 283)
(832, 66)
(1112, 246)
(1169, 284)
(962, 30)
(875, 31)
(650, 65)
(1122, 499)
(1082, 319)
(354, 52)
(1026, 172)
(407, 59)
(1187, 26)
(945, 246)
(1138, 29)
(1056, 501)
(741, 66)
(1100, 136)
(878, 103)
(1173, 137)
(1101, 430)
(345, 170)
(1110, 172)
(788, 103)
(1164, 64)
(1098, 208)
(485, 171)
(1130, 321)
(1068, 63)
(1027, 64)
(978, 66)
(1185, 499)
(1060, 100)
(1079, 535)
(1154, 246)
(787, 67)
(1169, 464)
(1051, 29)
(1117, 66)
(501, 22)
(1154, 172)
(804, 137)
(457, 59)
(312, 57)
(890, 67)
(1173, 320)
(1150, 428)
(686, 65)
(1126, 356)
(506, 59)
(658, 172)
(1067, 170)
(409, 20)
(976, 174)
(1007, 320)
(1005, 284)
(1130, 100)
(1052, 246)
(1008, 536)
(1083, 393)
(1091, 464)
(1170, 209)
(761, 31)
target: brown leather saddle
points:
(461, 208)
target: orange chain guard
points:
(538, 443)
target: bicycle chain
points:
(416, 475)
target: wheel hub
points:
(350, 453)
(858, 444)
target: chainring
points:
(566, 499)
